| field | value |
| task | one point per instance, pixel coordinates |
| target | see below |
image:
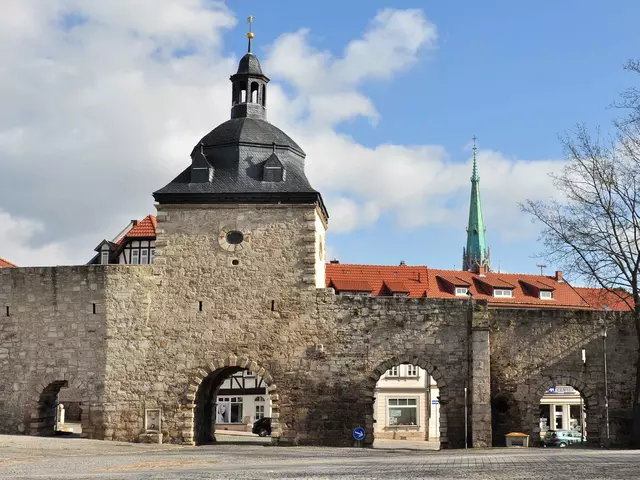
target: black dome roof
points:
(249, 65)
(249, 131)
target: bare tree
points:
(593, 228)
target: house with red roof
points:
(5, 264)
(134, 245)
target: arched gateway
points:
(199, 404)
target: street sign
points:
(358, 433)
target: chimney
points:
(559, 276)
(335, 261)
(134, 222)
(403, 263)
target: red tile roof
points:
(144, 228)
(5, 264)
(420, 281)
(348, 285)
(413, 279)
(564, 295)
(602, 299)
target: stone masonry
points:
(130, 338)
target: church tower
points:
(476, 257)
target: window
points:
(229, 410)
(260, 401)
(393, 372)
(152, 253)
(546, 295)
(461, 291)
(400, 294)
(499, 292)
(135, 256)
(104, 258)
(402, 411)
(412, 371)
(144, 256)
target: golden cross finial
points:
(250, 35)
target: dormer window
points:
(502, 292)
(273, 168)
(461, 291)
(104, 257)
(546, 295)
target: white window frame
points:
(546, 295)
(502, 292)
(260, 407)
(152, 254)
(144, 256)
(393, 372)
(136, 256)
(412, 371)
(415, 406)
(461, 291)
(104, 254)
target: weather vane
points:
(250, 35)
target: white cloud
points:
(15, 235)
(98, 112)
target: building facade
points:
(239, 283)
(406, 405)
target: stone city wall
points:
(533, 350)
(52, 334)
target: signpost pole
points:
(466, 443)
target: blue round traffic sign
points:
(358, 433)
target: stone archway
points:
(590, 403)
(218, 370)
(42, 414)
(437, 375)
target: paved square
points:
(72, 458)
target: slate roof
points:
(5, 264)
(249, 65)
(249, 131)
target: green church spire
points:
(476, 256)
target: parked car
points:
(262, 427)
(562, 438)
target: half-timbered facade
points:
(134, 245)
(242, 399)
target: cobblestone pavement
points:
(32, 457)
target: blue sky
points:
(387, 142)
(516, 74)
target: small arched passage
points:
(431, 370)
(590, 406)
(43, 414)
(200, 398)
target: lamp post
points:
(603, 333)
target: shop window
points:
(229, 410)
(402, 411)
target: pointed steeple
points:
(476, 256)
